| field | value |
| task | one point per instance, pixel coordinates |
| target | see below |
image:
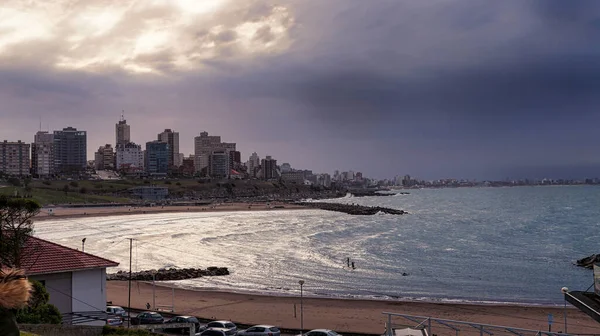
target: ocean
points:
(481, 245)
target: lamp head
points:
(564, 290)
(301, 282)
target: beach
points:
(342, 315)
(58, 212)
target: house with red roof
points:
(75, 280)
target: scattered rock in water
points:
(588, 262)
(169, 274)
(352, 209)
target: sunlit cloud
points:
(142, 36)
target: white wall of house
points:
(58, 286)
(90, 287)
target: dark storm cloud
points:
(431, 88)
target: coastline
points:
(87, 212)
(340, 314)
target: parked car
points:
(183, 319)
(114, 321)
(260, 330)
(116, 310)
(321, 332)
(228, 327)
(147, 318)
(212, 332)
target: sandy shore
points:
(60, 212)
(363, 316)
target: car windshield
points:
(274, 329)
(192, 320)
(229, 325)
(215, 325)
(155, 315)
(333, 333)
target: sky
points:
(434, 89)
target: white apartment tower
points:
(253, 164)
(42, 151)
(204, 146)
(129, 158)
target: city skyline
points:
(436, 89)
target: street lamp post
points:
(153, 290)
(301, 282)
(565, 290)
(83, 244)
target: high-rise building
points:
(204, 145)
(219, 164)
(42, 154)
(235, 160)
(14, 158)
(268, 167)
(129, 158)
(104, 158)
(286, 167)
(171, 138)
(122, 132)
(253, 164)
(157, 158)
(70, 151)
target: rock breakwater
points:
(352, 209)
(588, 262)
(169, 274)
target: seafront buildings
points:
(70, 151)
(122, 132)
(204, 146)
(129, 158)
(14, 158)
(157, 158)
(104, 158)
(42, 154)
(172, 139)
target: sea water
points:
(513, 245)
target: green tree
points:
(66, 189)
(15, 227)
(39, 311)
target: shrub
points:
(178, 183)
(146, 182)
(82, 190)
(14, 181)
(167, 182)
(107, 330)
(46, 182)
(39, 310)
(74, 184)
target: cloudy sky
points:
(436, 88)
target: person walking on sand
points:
(353, 265)
(348, 261)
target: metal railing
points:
(456, 328)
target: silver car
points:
(321, 332)
(228, 327)
(260, 330)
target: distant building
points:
(129, 158)
(204, 145)
(157, 158)
(150, 193)
(296, 177)
(70, 151)
(187, 167)
(235, 160)
(286, 167)
(324, 180)
(253, 164)
(178, 159)
(14, 158)
(42, 154)
(104, 158)
(219, 164)
(172, 139)
(122, 132)
(268, 167)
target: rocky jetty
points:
(588, 262)
(352, 209)
(169, 274)
(364, 193)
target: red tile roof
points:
(44, 257)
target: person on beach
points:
(348, 261)
(353, 265)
